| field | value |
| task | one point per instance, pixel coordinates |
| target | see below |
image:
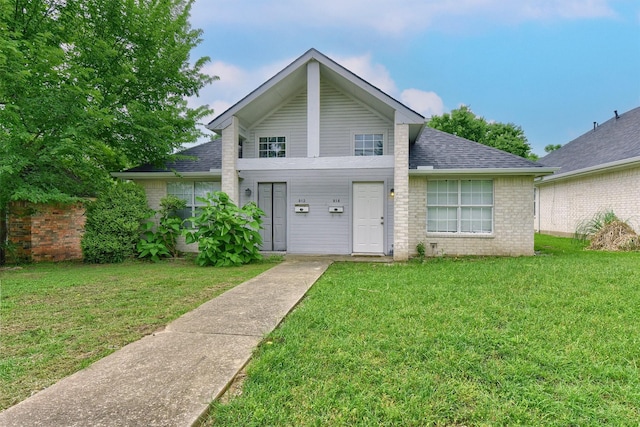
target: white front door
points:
(368, 217)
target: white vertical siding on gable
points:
(340, 116)
(289, 120)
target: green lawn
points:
(547, 340)
(58, 318)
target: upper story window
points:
(272, 146)
(368, 144)
(189, 192)
(460, 206)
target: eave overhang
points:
(605, 167)
(213, 173)
(535, 171)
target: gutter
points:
(618, 164)
(213, 173)
(534, 171)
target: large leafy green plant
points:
(161, 240)
(226, 234)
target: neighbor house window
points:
(189, 192)
(460, 206)
(272, 146)
(368, 144)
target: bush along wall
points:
(113, 224)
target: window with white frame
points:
(460, 206)
(189, 192)
(272, 146)
(368, 144)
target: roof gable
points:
(293, 78)
(615, 140)
(441, 150)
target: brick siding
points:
(41, 232)
(563, 204)
(401, 199)
(512, 215)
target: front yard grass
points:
(547, 340)
(56, 319)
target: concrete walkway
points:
(170, 378)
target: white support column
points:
(313, 109)
(230, 138)
(401, 189)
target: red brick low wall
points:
(42, 232)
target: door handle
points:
(381, 220)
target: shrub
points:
(587, 228)
(226, 234)
(421, 249)
(113, 223)
(162, 240)
(606, 231)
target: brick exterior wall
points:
(42, 232)
(562, 205)
(512, 231)
(156, 189)
(230, 136)
(401, 188)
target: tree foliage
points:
(552, 147)
(92, 86)
(503, 136)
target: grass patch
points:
(56, 319)
(546, 340)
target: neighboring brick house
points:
(340, 167)
(598, 171)
(45, 232)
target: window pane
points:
(475, 192)
(476, 220)
(442, 220)
(184, 213)
(368, 144)
(182, 190)
(474, 206)
(272, 146)
(442, 193)
(203, 189)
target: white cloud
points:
(235, 83)
(365, 68)
(391, 17)
(426, 103)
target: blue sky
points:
(551, 66)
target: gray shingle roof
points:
(445, 151)
(207, 156)
(614, 140)
(432, 148)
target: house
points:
(599, 171)
(340, 167)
